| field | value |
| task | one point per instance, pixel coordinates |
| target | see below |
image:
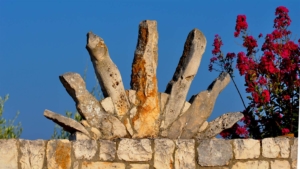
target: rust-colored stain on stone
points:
(62, 155)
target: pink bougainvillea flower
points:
(266, 96)
(241, 130)
(286, 97)
(285, 131)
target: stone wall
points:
(269, 153)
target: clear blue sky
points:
(40, 40)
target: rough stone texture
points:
(278, 164)
(68, 124)
(32, 154)
(185, 154)
(203, 127)
(138, 166)
(58, 154)
(144, 82)
(185, 72)
(163, 154)
(246, 149)
(85, 149)
(9, 153)
(107, 150)
(87, 105)
(134, 150)
(131, 94)
(108, 105)
(294, 153)
(76, 165)
(78, 136)
(187, 125)
(214, 152)
(102, 165)
(163, 100)
(219, 124)
(251, 165)
(108, 74)
(275, 147)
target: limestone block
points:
(32, 154)
(276, 147)
(76, 165)
(85, 149)
(203, 127)
(163, 100)
(107, 150)
(102, 165)
(108, 74)
(184, 74)
(246, 148)
(202, 104)
(58, 154)
(131, 94)
(163, 153)
(138, 166)
(278, 164)
(9, 153)
(186, 106)
(68, 124)
(294, 153)
(219, 124)
(144, 82)
(214, 152)
(251, 165)
(108, 105)
(134, 150)
(185, 154)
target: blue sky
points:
(40, 40)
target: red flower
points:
(262, 80)
(285, 131)
(241, 130)
(286, 97)
(266, 96)
(241, 24)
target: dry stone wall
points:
(126, 153)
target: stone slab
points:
(85, 149)
(32, 154)
(9, 153)
(58, 154)
(107, 150)
(246, 148)
(251, 165)
(134, 150)
(163, 153)
(102, 165)
(185, 154)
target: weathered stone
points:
(219, 124)
(251, 165)
(128, 126)
(78, 136)
(163, 100)
(95, 133)
(131, 94)
(203, 127)
(9, 153)
(186, 106)
(214, 152)
(108, 74)
(186, 70)
(58, 154)
(275, 147)
(144, 82)
(102, 165)
(138, 166)
(163, 153)
(68, 124)
(107, 150)
(294, 153)
(85, 149)
(108, 105)
(185, 154)
(87, 105)
(246, 148)
(76, 165)
(85, 123)
(278, 164)
(134, 150)
(32, 154)
(111, 128)
(187, 125)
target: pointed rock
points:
(186, 70)
(219, 124)
(66, 123)
(107, 73)
(187, 125)
(144, 82)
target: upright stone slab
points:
(185, 154)
(163, 153)
(108, 74)
(59, 154)
(186, 70)
(144, 82)
(187, 125)
(214, 152)
(32, 154)
(85, 149)
(134, 150)
(9, 153)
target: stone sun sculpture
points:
(142, 111)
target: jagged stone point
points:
(142, 111)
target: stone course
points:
(268, 153)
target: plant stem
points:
(237, 90)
